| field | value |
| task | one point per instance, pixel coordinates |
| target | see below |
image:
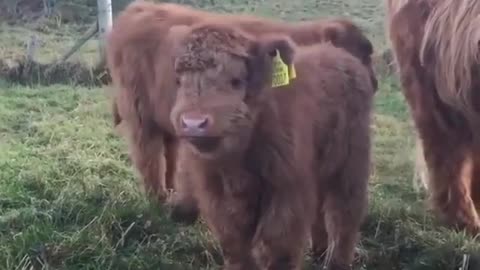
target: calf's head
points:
(223, 78)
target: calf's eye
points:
(236, 83)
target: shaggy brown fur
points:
(271, 167)
(436, 43)
(138, 58)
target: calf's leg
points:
(345, 207)
(475, 184)
(146, 152)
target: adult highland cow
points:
(139, 61)
(271, 166)
(436, 46)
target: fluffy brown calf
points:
(272, 166)
(139, 61)
(436, 46)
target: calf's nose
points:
(194, 124)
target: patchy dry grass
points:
(54, 41)
(69, 198)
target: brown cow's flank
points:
(436, 47)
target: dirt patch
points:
(27, 72)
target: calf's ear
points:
(331, 33)
(262, 54)
(173, 40)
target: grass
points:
(69, 198)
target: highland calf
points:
(437, 48)
(271, 167)
(139, 60)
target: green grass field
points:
(69, 198)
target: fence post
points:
(104, 24)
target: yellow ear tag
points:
(291, 71)
(281, 72)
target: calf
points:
(139, 53)
(271, 166)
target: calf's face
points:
(210, 110)
(222, 75)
